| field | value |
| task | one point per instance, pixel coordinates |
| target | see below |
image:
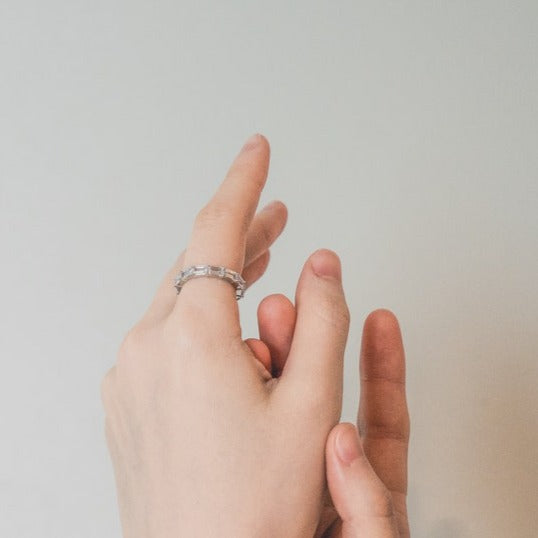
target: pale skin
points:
(214, 435)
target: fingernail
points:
(326, 263)
(252, 142)
(347, 445)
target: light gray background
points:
(403, 136)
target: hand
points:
(203, 440)
(369, 487)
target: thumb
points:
(314, 368)
(362, 501)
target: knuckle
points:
(107, 386)
(334, 311)
(218, 211)
(188, 325)
(346, 316)
(392, 426)
(132, 343)
(211, 213)
(136, 348)
(187, 333)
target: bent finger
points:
(276, 323)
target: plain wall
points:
(404, 136)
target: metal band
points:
(195, 271)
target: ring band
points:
(195, 271)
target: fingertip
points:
(275, 215)
(382, 321)
(340, 451)
(346, 445)
(279, 208)
(274, 305)
(382, 350)
(276, 322)
(325, 262)
(256, 141)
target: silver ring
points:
(194, 271)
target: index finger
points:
(219, 235)
(383, 417)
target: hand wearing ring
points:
(212, 435)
